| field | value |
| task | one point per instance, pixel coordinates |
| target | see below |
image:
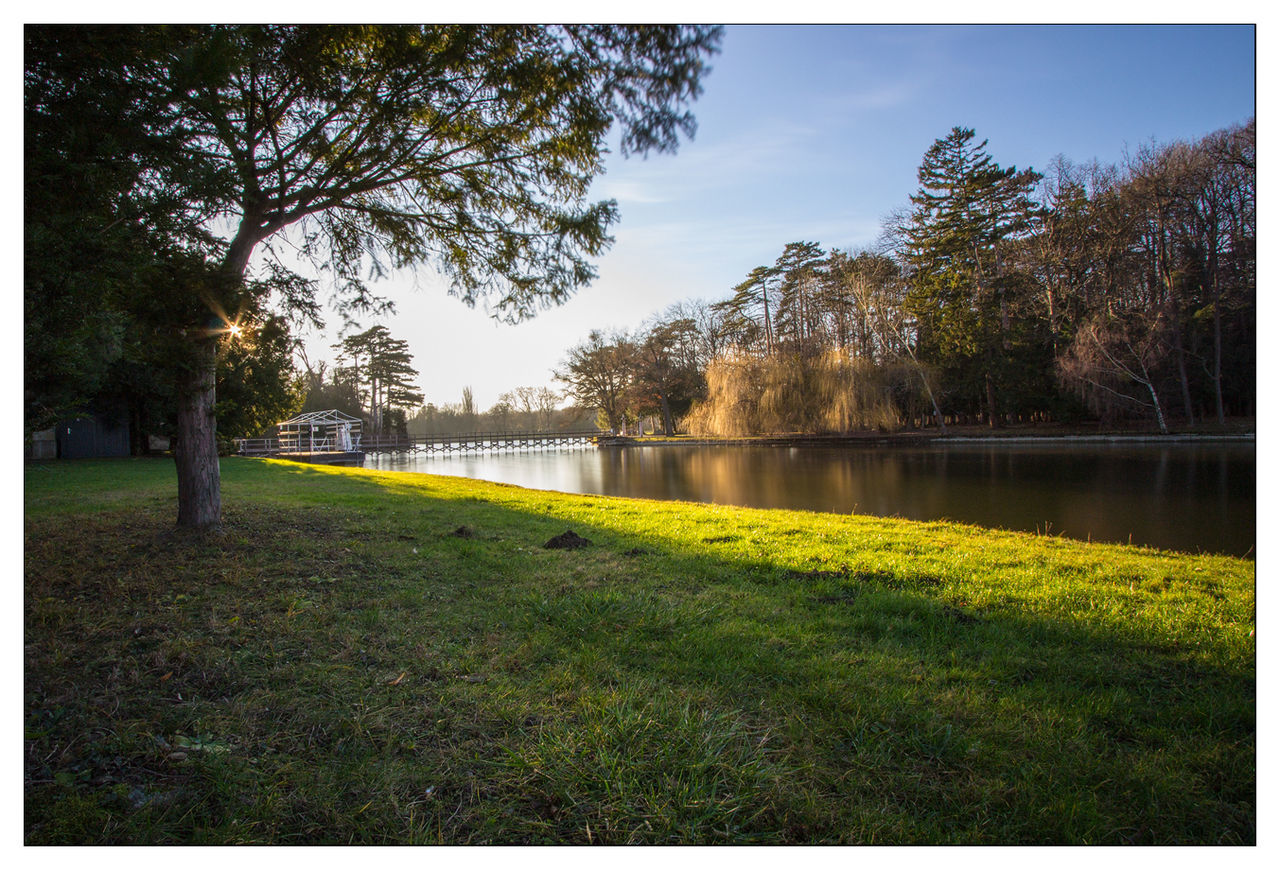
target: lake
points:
(1188, 496)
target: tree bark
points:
(668, 426)
(993, 421)
(1217, 357)
(1180, 356)
(196, 454)
(1216, 286)
(768, 330)
(1155, 403)
(199, 482)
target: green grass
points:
(374, 657)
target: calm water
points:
(1190, 497)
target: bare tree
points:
(597, 373)
(1115, 355)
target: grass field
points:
(374, 657)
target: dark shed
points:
(93, 437)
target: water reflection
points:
(1178, 496)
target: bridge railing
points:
(507, 436)
(477, 438)
(273, 445)
(257, 446)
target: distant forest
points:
(1119, 294)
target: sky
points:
(815, 133)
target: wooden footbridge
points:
(479, 442)
(471, 442)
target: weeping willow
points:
(831, 392)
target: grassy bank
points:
(377, 657)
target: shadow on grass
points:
(342, 666)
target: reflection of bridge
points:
(471, 442)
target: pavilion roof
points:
(331, 416)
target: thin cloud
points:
(629, 191)
(702, 167)
(744, 237)
(890, 95)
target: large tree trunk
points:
(199, 479)
(1180, 355)
(993, 419)
(668, 426)
(199, 484)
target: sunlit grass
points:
(388, 657)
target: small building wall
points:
(92, 438)
(43, 445)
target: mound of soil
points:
(568, 541)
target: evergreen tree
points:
(799, 268)
(966, 217)
(467, 148)
(746, 314)
(384, 374)
(339, 392)
(257, 383)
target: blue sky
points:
(815, 133)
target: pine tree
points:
(747, 314)
(387, 371)
(799, 265)
(966, 216)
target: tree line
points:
(373, 378)
(524, 409)
(1115, 293)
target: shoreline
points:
(913, 440)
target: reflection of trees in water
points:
(1167, 497)
(869, 481)
(1178, 497)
